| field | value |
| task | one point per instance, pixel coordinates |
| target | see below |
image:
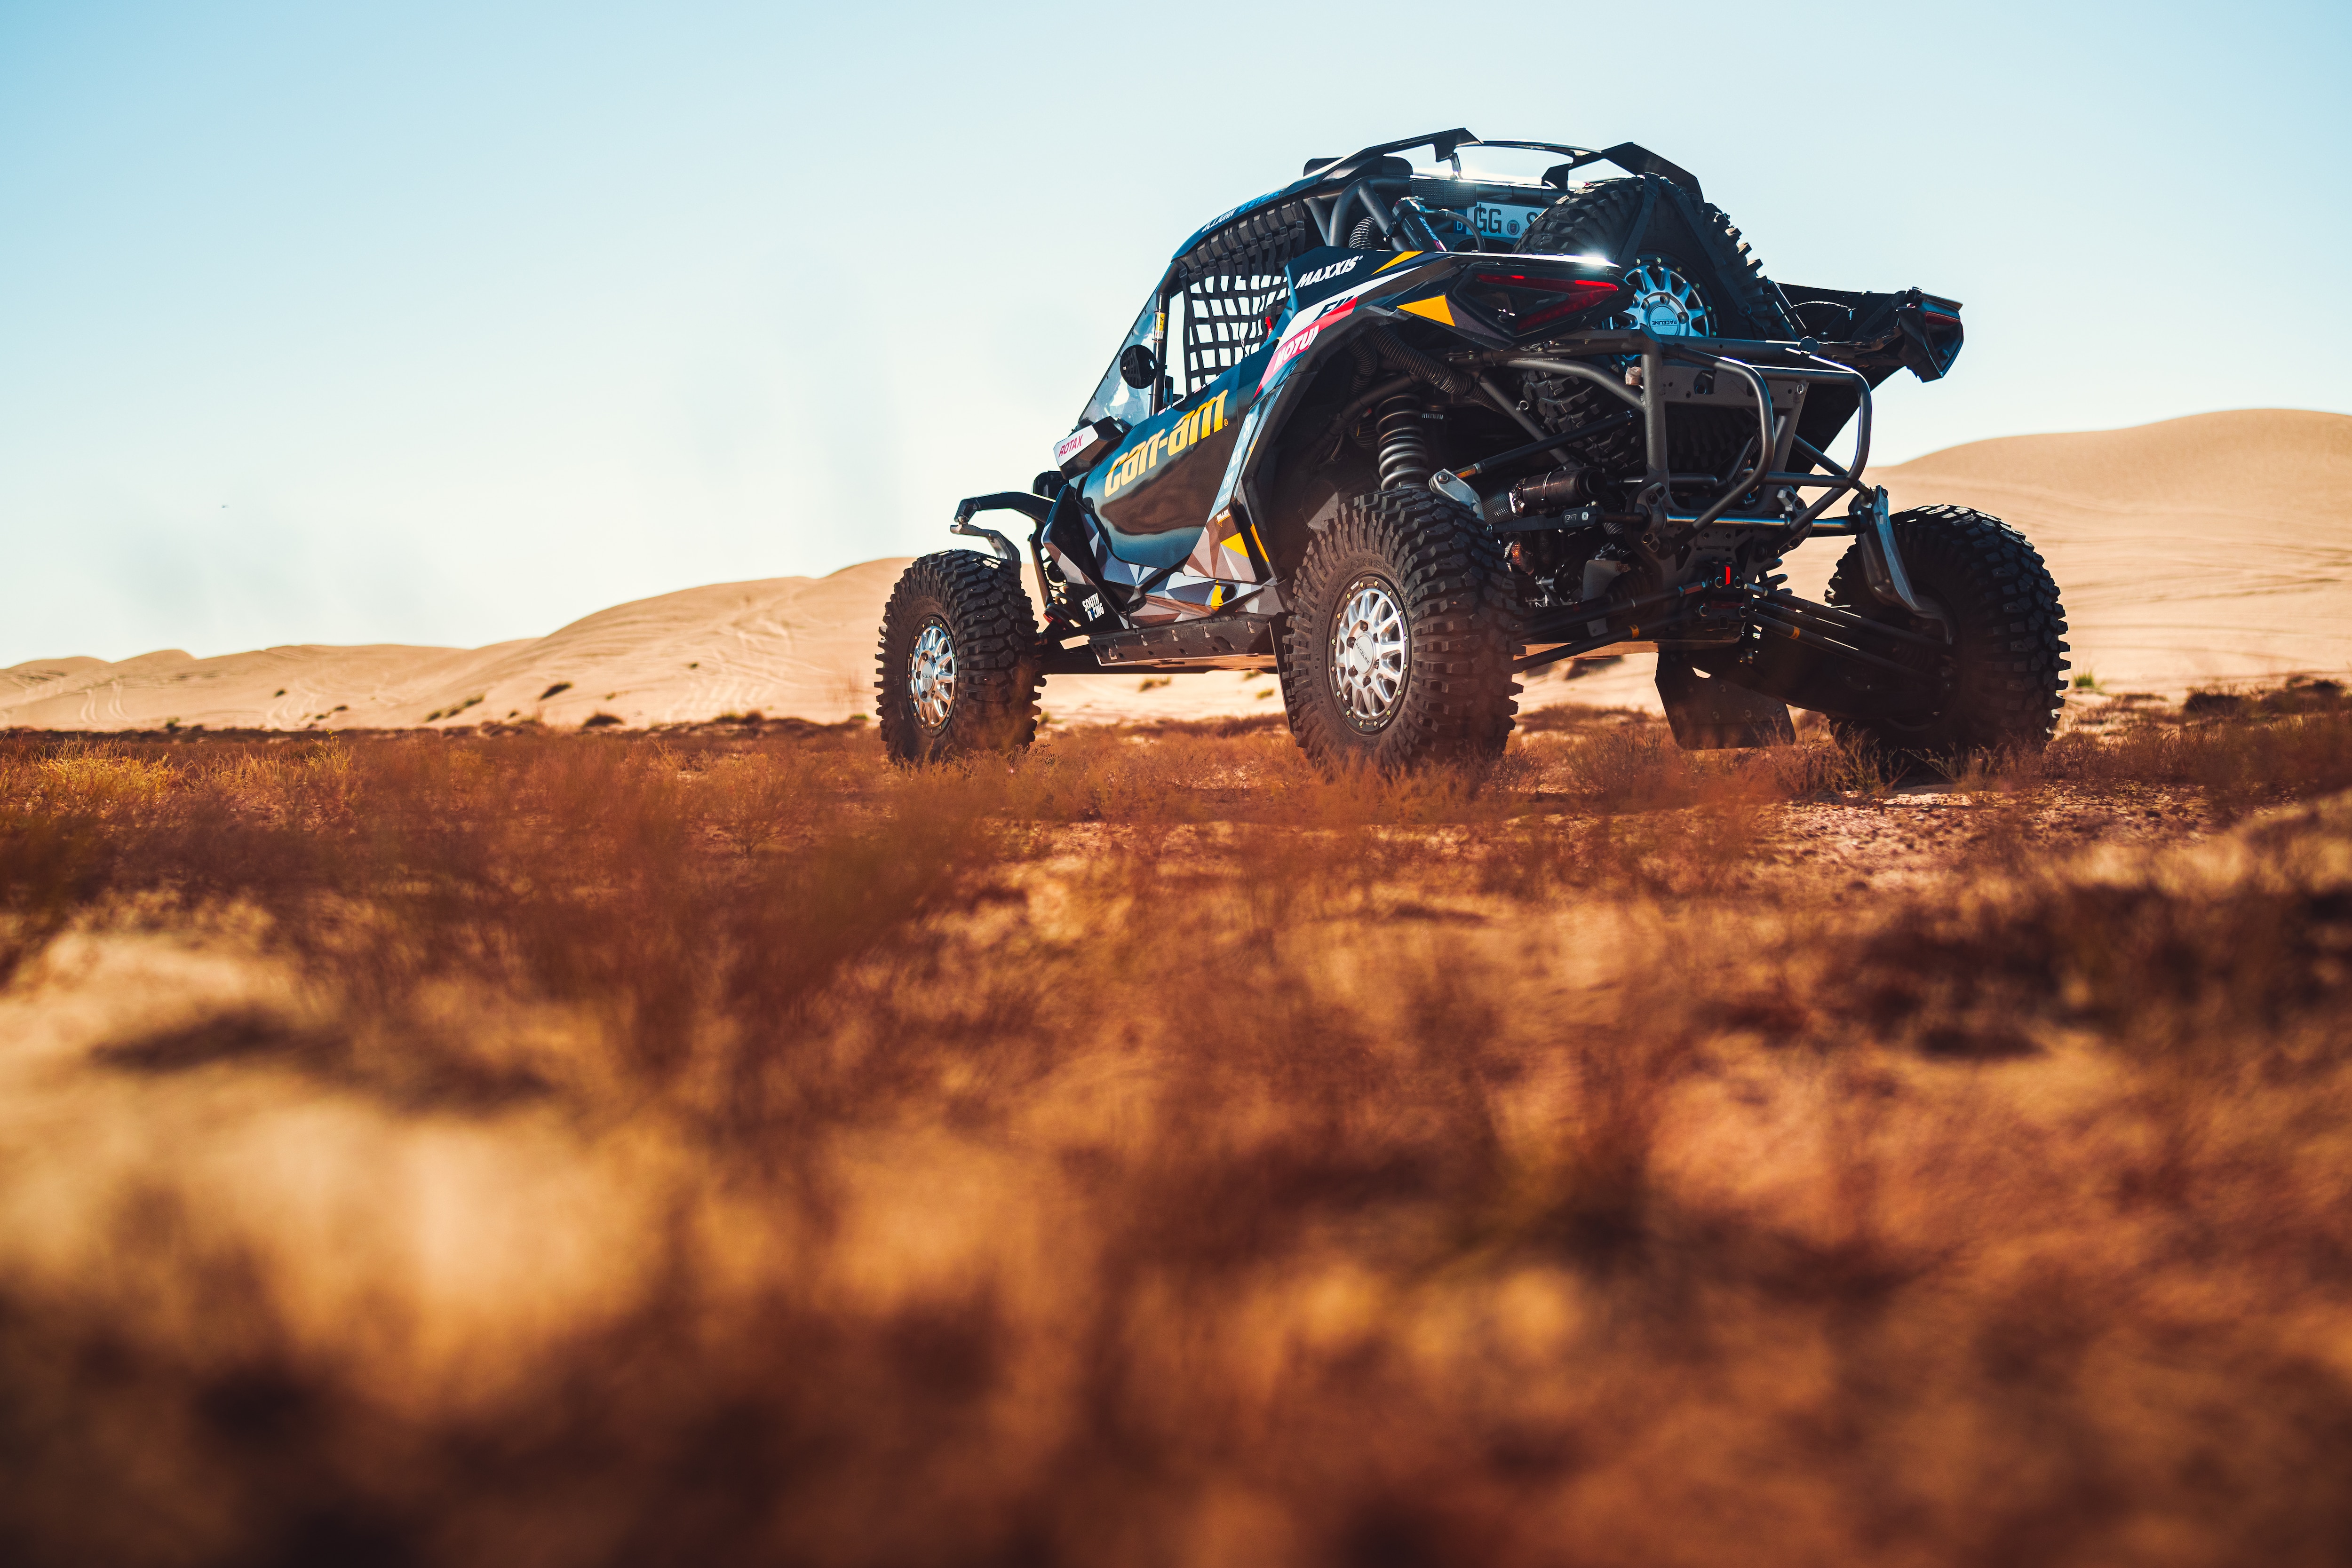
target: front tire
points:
(2008, 656)
(1400, 638)
(957, 673)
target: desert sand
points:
(2195, 551)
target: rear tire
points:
(958, 674)
(2008, 656)
(1401, 639)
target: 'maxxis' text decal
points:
(1198, 425)
(1308, 280)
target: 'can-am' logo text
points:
(1198, 425)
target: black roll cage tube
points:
(1363, 191)
(1341, 182)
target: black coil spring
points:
(1405, 445)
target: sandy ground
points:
(2213, 549)
(486, 1219)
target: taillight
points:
(1583, 294)
(1593, 289)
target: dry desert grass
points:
(585, 1149)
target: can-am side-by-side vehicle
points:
(1402, 433)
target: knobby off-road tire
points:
(1433, 683)
(957, 673)
(2008, 655)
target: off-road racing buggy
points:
(1400, 433)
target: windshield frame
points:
(1113, 398)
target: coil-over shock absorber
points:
(1405, 445)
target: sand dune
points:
(2215, 548)
(792, 645)
(2199, 551)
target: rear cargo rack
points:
(1775, 444)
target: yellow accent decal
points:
(1433, 308)
(1400, 256)
(1216, 596)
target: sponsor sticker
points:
(1301, 335)
(1070, 445)
(1336, 269)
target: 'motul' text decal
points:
(1203, 422)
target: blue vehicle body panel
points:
(1152, 493)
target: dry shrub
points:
(1151, 1151)
(2287, 750)
(756, 797)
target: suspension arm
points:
(1814, 639)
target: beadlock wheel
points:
(1371, 650)
(1400, 636)
(1665, 303)
(932, 675)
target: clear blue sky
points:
(450, 323)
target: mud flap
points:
(1710, 714)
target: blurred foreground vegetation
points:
(591, 1149)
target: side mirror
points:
(1139, 367)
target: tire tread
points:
(1462, 605)
(994, 630)
(2012, 654)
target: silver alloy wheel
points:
(932, 675)
(1665, 303)
(1371, 650)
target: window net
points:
(1231, 280)
(1225, 317)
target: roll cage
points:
(1226, 283)
(1227, 288)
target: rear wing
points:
(1917, 330)
(1630, 156)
